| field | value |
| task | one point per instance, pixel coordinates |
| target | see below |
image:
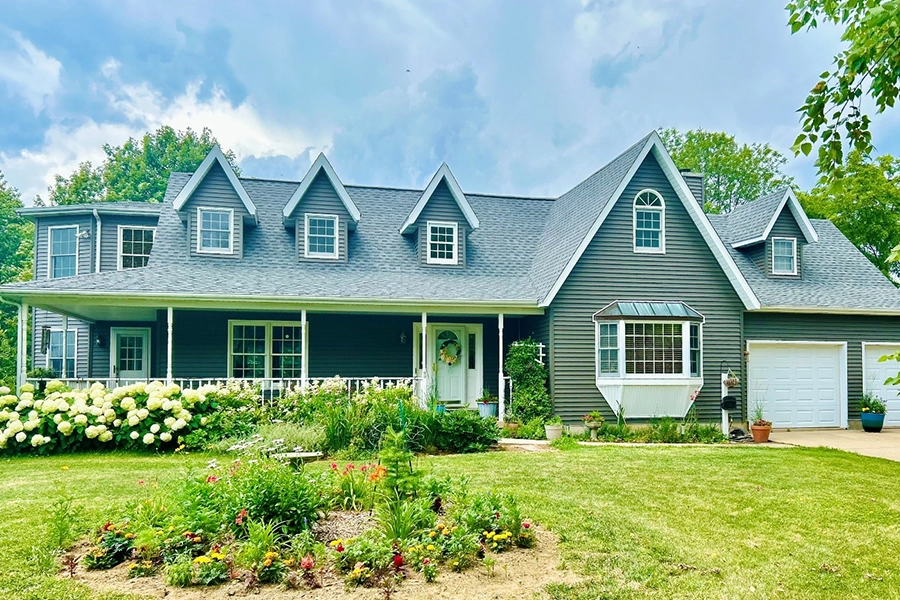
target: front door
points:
(130, 353)
(447, 345)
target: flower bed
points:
(257, 522)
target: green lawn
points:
(638, 522)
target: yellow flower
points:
(129, 536)
(432, 534)
(484, 533)
(65, 468)
(197, 539)
(430, 547)
(202, 560)
(217, 555)
(271, 555)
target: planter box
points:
(487, 409)
(872, 422)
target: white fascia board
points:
(215, 156)
(806, 226)
(321, 164)
(654, 144)
(443, 173)
(837, 310)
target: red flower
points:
(140, 482)
(398, 561)
(526, 525)
(340, 548)
(350, 466)
(426, 561)
(364, 468)
(306, 563)
(212, 479)
(334, 466)
(239, 520)
(107, 526)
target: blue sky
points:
(519, 97)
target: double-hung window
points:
(265, 349)
(215, 230)
(442, 243)
(63, 251)
(55, 352)
(321, 236)
(135, 244)
(649, 222)
(784, 256)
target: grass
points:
(637, 522)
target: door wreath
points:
(450, 352)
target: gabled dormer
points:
(215, 208)
(442, 219)
(773, 232)
(322, 214)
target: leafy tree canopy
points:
(734, 172)
(138, 170)
(16, 249)
(867, 67)
(864, 204)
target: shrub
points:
(463, 431)
(114, 544)
(530, 399)
(532, 430)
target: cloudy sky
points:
(522, 96)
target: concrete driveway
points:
(880, 445)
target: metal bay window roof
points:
(648, 311)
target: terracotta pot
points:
(512, 426)
(760, 433)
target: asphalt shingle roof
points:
(516, 255)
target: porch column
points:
(304, 349)
(170, 321)
(22, 346)
(65, 345)
(501, 409)
(424, 373)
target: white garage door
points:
(874, 375)
(799, 385)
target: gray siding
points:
(109, 237)
(442, 207)
(215, 191)
(759, 254)
(853, 329)
(42, 318)
(42, 247)
(609, 270)
(99, 364)
(697, 183)
(321, 198)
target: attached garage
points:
(874, 374)
(799, 384)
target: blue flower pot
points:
(872, 422)
(440, 408)
(487, 409)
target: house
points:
(642, 301)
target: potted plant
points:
(593, 420)
(553, 428)
(732, 380)
(487, 405)
(871, 410)
(760, 428)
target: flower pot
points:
(872, 422)
(440, 408)
(487, 409)
(760, 433)
(593, 426)
(512, 427)
(554, 432)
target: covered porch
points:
(451, 355)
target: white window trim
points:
(623, 376)
(268, 325)
(700, 349)
(119, 253)
(230, 249)
(74, 357)
(442, 261)
(337, 238)
(793, 241)
(662, 223)
(50, 231)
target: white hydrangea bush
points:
(148, 415)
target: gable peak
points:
(443, 174)
(215, 157)
(323, 165)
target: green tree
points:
(734, 172)
(138, 170)
(16, 250)
(867, 67)
(864, 204)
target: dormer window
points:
(215, 230)
(649, 223)
(442, 242)
(321, 236)
(784, 256)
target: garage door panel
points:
(800, 384)
(874, 374)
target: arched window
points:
(649, 222)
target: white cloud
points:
(141, 108)
(30, 73)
